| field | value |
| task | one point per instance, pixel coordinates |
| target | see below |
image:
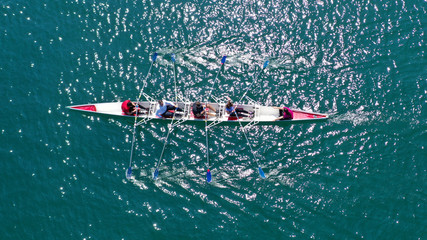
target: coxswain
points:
(285, 113)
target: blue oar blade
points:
(129, 173)
(266, 64)
(261, 172)
(156, 174)
(209, 176)
(154, 57)
(223, 59)
(173, 57)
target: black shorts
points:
(281, 115)
(197, 111)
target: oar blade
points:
(223, 59)
(173, 57)
(266, 64)
(208, 176)
(154, 57)
(156, 174)
(261, 173)
(129, 173)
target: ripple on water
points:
(361, 62)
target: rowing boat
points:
(259, 115)
(262, 115)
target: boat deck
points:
(262, 114)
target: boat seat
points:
(232, 118)
(171, 111)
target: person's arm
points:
(204, 109)
(232, 111)
(159, 112)
(170, 104)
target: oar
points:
(255, 78)
(156, 172)
(216, 77)
(129, 170)
(174, 76)
(208, 173)
(261, 172)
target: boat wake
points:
(356, 118)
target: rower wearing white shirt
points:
(164, 107)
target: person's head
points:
(160, 102)
(229, 104)
(198, 104)
(130, 106)
(286, 110)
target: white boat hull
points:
(263, 115)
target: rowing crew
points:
(167, 109)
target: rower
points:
(199, 110)
(285, 113)
(128, 108)
(232, 110)
(164, 108)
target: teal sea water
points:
(361, 174)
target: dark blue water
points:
(361, 174)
